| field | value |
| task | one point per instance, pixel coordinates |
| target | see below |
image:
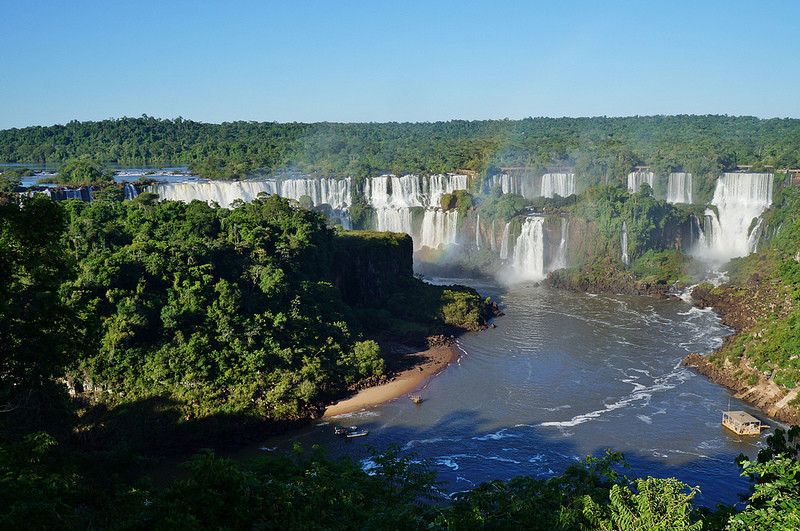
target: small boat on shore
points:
(742, 423)
(415, 398)
(361, 433)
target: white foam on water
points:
(640, 393)
(449, 463)
(268, 449)
(645, 419)
(415, 442)
(557, 408)
(501, 434)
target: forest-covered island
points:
(194, 321)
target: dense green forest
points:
(598, 148)
(259, 312)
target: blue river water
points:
(562, 376)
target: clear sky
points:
(378, 61)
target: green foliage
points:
(37, 334)
(775, 502)
(83, 172)
(11, 178)
(656, 504)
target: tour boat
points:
(742, 423)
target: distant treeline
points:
(600, 147)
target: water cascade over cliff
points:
(561, 256)
(679, 188)
(130, 191)
(562, 184)
(636, 178)
(478, 232)
(504, 242)
(730, 230)
(393, 199)
(528, 259)
(625, 259)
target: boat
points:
(742, 423)
(415, 398)
(361, 433)
(339, 430)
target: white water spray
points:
(739, 198)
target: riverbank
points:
(419, 368)
(742, 308)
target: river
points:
(564, 375)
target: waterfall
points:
(492, 237)
(504, 243)
(625, 259)
(739, 198)
(224, 193)
(561, 257)
(438, 185)
(636, 178)
(562, 184)
(130, 191)
(679, 188)
(509, 184)
(406, 191)
(528, 260)
(333, 192)
(478, 232)
(393, 220)
(438, 228)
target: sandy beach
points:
(422, 366)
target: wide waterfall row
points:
(334, 192)
(739, 198)
(562, 184)
(679, 188)
(637, 178)
(552, 184)
(391, 191)
(509, 184)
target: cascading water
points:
(625, 259)
(130, 191)
(561, 257)
(478, 232)
(393, 220)
(438, 228)
(636, 178)
(224, 193)
(679, 188)
(509, 184)
(504, 243)
(438, 185)
(562, 184)
(739, 199)
(333, 192)
(528, 260)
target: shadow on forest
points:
(156, 427)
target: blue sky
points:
(374, 61)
